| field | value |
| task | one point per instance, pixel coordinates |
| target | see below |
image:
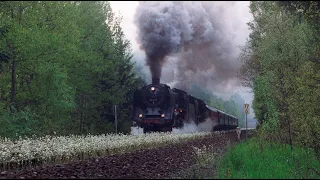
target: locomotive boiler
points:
(157, 107)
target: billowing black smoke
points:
(197, 34)
(165, 27)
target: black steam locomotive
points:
(157, 107)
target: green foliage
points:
(23, 123)
(305, 106)
(261, 160)
(264, 105)
(284, 44)
(71, 64)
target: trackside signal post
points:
(115, 117)
(246, 111)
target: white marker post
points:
(246, 111)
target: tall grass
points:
(256, 159)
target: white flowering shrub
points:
(53, 149)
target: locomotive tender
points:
(157, 107)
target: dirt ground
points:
(144, 164)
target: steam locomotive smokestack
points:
(155, 80)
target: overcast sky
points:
(127, 10)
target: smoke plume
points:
(200, 37)
(190, 127)
(206, 126)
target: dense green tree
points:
(62, 67)
(33, 40)
(280, 62)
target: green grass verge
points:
(256, 159)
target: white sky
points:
(127, 10)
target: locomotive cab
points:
(181, 108)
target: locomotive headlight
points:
(162, 115)
(152, 88)
(140, 115)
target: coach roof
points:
(212, 108)
(215, 109)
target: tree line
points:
(281, 63)
(63, 65)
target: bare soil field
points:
(143, 164)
